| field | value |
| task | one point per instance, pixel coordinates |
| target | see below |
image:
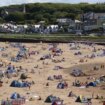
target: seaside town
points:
(90, 23)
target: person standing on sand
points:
(39, 72)
(28, 85)
(102, 66)
(93, 95)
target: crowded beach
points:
(52, 74)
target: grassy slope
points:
(65, 38)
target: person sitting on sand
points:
(54, 103)
(47, 84)
(63, 59)
(36, 66)
(86, 83)
(65, 85)
(70, 94)
(102, 66)
(97, 97)
(73, 83)
(33, 82)
(32, 71)
(77, 83)
(95, 68)
(20, 67)
(81, 84)
(39, 98)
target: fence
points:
(13, 102)
(88, 103)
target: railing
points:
(13, 102)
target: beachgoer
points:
(47, 84)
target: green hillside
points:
(48, 12)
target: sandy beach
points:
(71, 56)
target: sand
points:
(43, 71)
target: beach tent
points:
(14, 59)
(60, 86)
(48, 56)
(92, 84)
(10, 69)
(57, 76)
(78, 53)
(23, 76)
(50, 78)
(97, 81)
(77, 72)
(2, 48)
(20, 54)
(49, 99)
(93, 56)
(14, 83)
(57, 67)
(17, 45)
(103, 51)
(19, 84)
(79, 99)
(102, 78)
(15, 96)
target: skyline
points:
(12, 2)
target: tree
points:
(1, 20)
(71, 16)
(16, 16)
(38, 17)
(50, 11)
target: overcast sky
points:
(10, 2)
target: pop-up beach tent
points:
(50, 99)
(19, 84)
(15, 96)
(79, 99)
(23, 76)
(92, 84)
